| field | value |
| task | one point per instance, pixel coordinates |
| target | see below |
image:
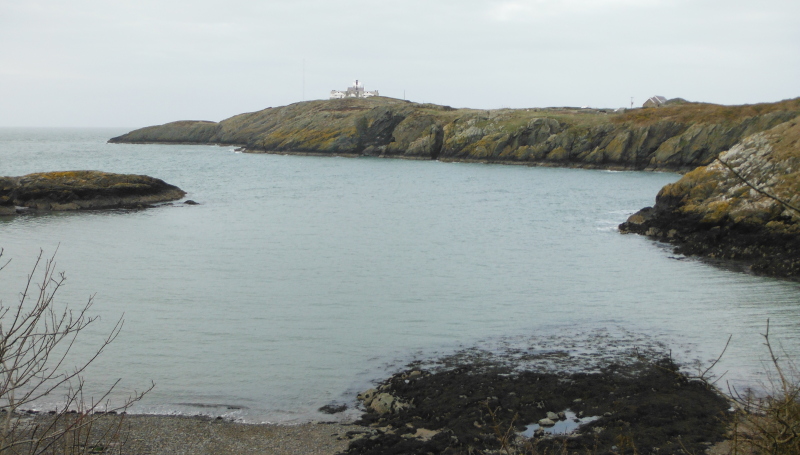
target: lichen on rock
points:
(744, 206)
(82, 190)
(677, 137)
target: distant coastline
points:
(676, 137)
(755, 223)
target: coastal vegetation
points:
(639, 403)
(769, 424)
(676, 137)
(629, 406)
(37, 335)
(737, 201)
(743, 206)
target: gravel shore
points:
(194, 435)
(177, 435)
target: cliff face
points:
(743, 206)
(81, 190)
(679, 137)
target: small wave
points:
(213, 405)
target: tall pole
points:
(304, 79)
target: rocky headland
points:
(738, 200)
(744, 206)
(675, 137)
(82, 190)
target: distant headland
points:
(740, 199)
(675, 137)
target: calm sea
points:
(299, 280)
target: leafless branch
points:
(757, 189)
(36, 340)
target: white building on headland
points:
(655, 101)
(356, 91)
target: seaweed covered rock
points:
(478, 408)
(745, 206)
(82, 190)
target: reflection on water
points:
(568, 425)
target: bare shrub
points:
(36, 338)
(770, 424)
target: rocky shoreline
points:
(639, 405)
(604, 401)
(737, 201)
(82, 190)
(676, 137)
(743, 207)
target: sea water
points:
(298, 281)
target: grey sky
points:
(144, 62)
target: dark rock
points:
(190, 202)
(82, 190)
(644, 407)
(741, 211)
(333, 408)
(677, 136)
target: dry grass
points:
(769, 425)
(704, 113)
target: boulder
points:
(367, 396)
(425, 434)
(383, 403)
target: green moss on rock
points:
(744, 206)
(678, 137)
(76, 190)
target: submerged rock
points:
(82, 190)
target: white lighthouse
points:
(356, 91)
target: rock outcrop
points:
(482, 406)
(745, 206)
(741, 206)
(82, 190)
(677, 137)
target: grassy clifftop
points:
(678, 137)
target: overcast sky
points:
(134, 63)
